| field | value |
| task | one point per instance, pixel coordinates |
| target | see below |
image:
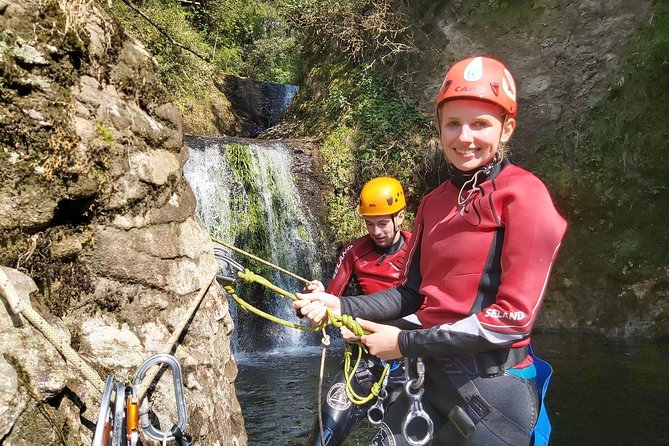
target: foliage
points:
(609, 169)
(246, 38)
(355, 54)
(378, 132)
(362, 32)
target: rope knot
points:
(247, 275)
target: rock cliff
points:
(94, 208)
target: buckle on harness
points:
(476, 408)
(466, 417)
(461, 421)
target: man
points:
(374, 262)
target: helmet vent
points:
(495, 88)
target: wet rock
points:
(135, 241)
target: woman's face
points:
(471, 131)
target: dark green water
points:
(604, 392)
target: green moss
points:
(105, 134)
(249, 225)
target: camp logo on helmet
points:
(469, 89)
(474, 70)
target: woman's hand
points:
(383, 340)
(314, 305)
(315, 286)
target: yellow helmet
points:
(381, 196)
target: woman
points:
(482, 249)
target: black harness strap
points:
(476, 409)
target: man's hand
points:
(383, 340)
(314, 305)
(315, 286)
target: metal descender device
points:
(414, 390)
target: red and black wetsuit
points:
(479, 270)
(374, 269)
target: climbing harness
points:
(475, 408)
(414, 391)
(119, 423)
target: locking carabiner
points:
(150, 430)
(118, 436)
(103, 427)
(132, 417)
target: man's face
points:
(382, 230)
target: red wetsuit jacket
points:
(374, 268)
(481, 268)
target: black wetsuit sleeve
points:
(393, 303)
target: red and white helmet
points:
(481, 78)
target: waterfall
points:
(246, 196)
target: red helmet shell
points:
(481, 78)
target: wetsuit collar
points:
(392, 249)
(488, 172)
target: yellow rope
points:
(349, 374)
(332, 319)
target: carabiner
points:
(118, 436)
(228, 268)
(415, 394)
(182, 416)
(104, 425)
(132, 417)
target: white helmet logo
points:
(508, 85)
(474, 70)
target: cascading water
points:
(247, 197)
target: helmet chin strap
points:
(396, 228)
